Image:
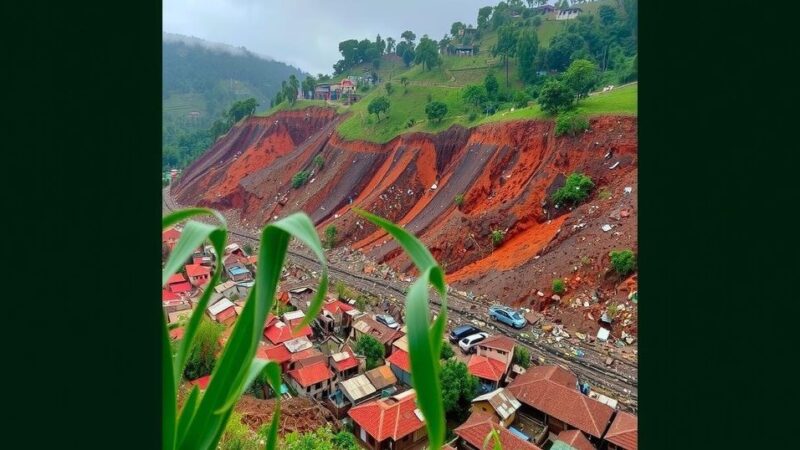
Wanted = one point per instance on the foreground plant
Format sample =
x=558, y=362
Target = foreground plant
x=201, y=422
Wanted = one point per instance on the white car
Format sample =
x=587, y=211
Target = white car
x=468, y=344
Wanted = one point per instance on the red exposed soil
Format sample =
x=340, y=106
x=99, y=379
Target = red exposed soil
x=505, y=172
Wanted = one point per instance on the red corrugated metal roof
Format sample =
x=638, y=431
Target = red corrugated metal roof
x=388, y=418
x=171, y=234
x=176, y=278
x=167, y=295
x=196, y=270
x=552, y=390
x=345, y=364
x=336, y=306
x=227, y=313
x=278, y=353
x=486, y=368
x=181, y=287
x=576, y=439
x=278, y=332
x=201, y=382
x=400, y=359
x=624, y=431
x=479, y=425
x=306, y=376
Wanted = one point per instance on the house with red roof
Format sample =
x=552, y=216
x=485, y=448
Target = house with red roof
x=201, y=382
x=315, y=380
x=223, y=311
x=393, y=422
x=170, y=237
x=472, y=434
x=337, y=316
x=549, y=394
x=492, y=361
x=344, y=364
x=623, y=434
x=177, y=284
x=305, y=358
x=572, y=440
x=198, y=275
x=366, y=325
x=278, y=353
x=279, y=332
x=400, y=364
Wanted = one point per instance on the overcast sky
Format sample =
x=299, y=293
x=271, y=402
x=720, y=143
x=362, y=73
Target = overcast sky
x=306, y=33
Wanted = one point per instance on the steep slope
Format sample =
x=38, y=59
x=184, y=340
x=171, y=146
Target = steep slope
x=505, y=171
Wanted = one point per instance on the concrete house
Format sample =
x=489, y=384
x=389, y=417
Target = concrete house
x=223, y=311
x=499, y=402
x=198, y=274
x=315, y=380
x=492, y=361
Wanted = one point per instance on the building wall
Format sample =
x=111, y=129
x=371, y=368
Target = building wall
x=402, y=376
x=312, y=391
x=486, y=407
x=494, y=353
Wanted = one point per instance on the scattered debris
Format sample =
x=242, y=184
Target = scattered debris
x=606, y=227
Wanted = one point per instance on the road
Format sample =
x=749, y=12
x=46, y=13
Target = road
x=619, y=381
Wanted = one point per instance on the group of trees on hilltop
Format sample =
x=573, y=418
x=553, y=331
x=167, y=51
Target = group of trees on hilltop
x=355, y=52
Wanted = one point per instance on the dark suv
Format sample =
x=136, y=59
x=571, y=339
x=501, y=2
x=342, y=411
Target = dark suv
x=461, y=332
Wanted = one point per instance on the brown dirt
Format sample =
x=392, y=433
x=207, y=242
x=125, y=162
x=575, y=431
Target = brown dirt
x=297, y=414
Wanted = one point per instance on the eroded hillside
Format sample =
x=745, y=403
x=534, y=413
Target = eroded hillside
x=505, y=172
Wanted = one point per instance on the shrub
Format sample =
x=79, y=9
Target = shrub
x=522, y=356
x=389, y=88
x=410, y=122
x=300, y=178
x=472, y=116
x=497, y=236
x=459, y=199
x=447, y=352
x=319, y=161
x=558, y=286
x=623, y=261
x=371, y=348
x=574, y=191
x=555, y=96
x=521, y=99
x=205, y=346
x=330, y=236
x=571, y=123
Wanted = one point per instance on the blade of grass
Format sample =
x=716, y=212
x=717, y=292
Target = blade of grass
x=189, y=408
x=424, y=341
x=230, y=373
x=493, y=435
x=274, y=378
x=168, y=406
x=180, y=216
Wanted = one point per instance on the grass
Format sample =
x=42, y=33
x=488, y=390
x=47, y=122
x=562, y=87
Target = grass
x=300, y=104
x=182, y=104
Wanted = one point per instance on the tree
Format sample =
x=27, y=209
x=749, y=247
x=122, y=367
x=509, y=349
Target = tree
x=521, y=99
x=291, y=88
x=205, y=346
x=483, y=16
x=562, y=48
x=380, y=44
x=527, y=47
x=308, y=86
x=242, y=109
x=436, y=111
x=459, y=387
x=475, y=94
x=427, y=53
x=409, y=36
x=491, y=85
x=581, y=76
x=370, y=348
x=330, y=236
x=506, y=45
x=455, y=28
x=408, y=57
x=608, y=15
x=404, y=82
x=575, y=189
x=344, y=440
x=555, y=96
x=623, y=261
x=389, y=88
x=446, y=352
x=390, y=45
x=319, y=161
x=522, y=357
x=378, y=105
x=558, y=286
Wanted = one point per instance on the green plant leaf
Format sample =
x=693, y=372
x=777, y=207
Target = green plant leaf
x=232, y=370
x=169, y=406
x=494, y=434
x=424, y=341
x=189, y=408
x=180, y=216
x=274, y=378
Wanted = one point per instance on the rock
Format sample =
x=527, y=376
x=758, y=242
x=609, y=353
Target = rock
x=609, y=361
x=628, y=189
x=624, y=213
x=556, y=297
x=585, y=304
x=540, y=293
x=606, y=227
x=580, y=336
x=630, y=340
x=547, y=328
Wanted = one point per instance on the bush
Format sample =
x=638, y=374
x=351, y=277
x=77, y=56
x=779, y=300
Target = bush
x=330, y=236
x=570, y=123
x=205, y=346
x=472, y=116
x=521, y=99
x=497, y=236
x=555, y=96
x=522, y=356
x=410, y=122
x=623, y=261
x=300, y=178
x=459, y=199
x=447, y=352
x=319, y=161
x=558, y=286
x=574, y=191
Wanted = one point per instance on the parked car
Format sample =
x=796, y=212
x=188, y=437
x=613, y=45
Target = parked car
x=387, y=320
x=507, y=315
x=461, y=332
x=468, y=344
